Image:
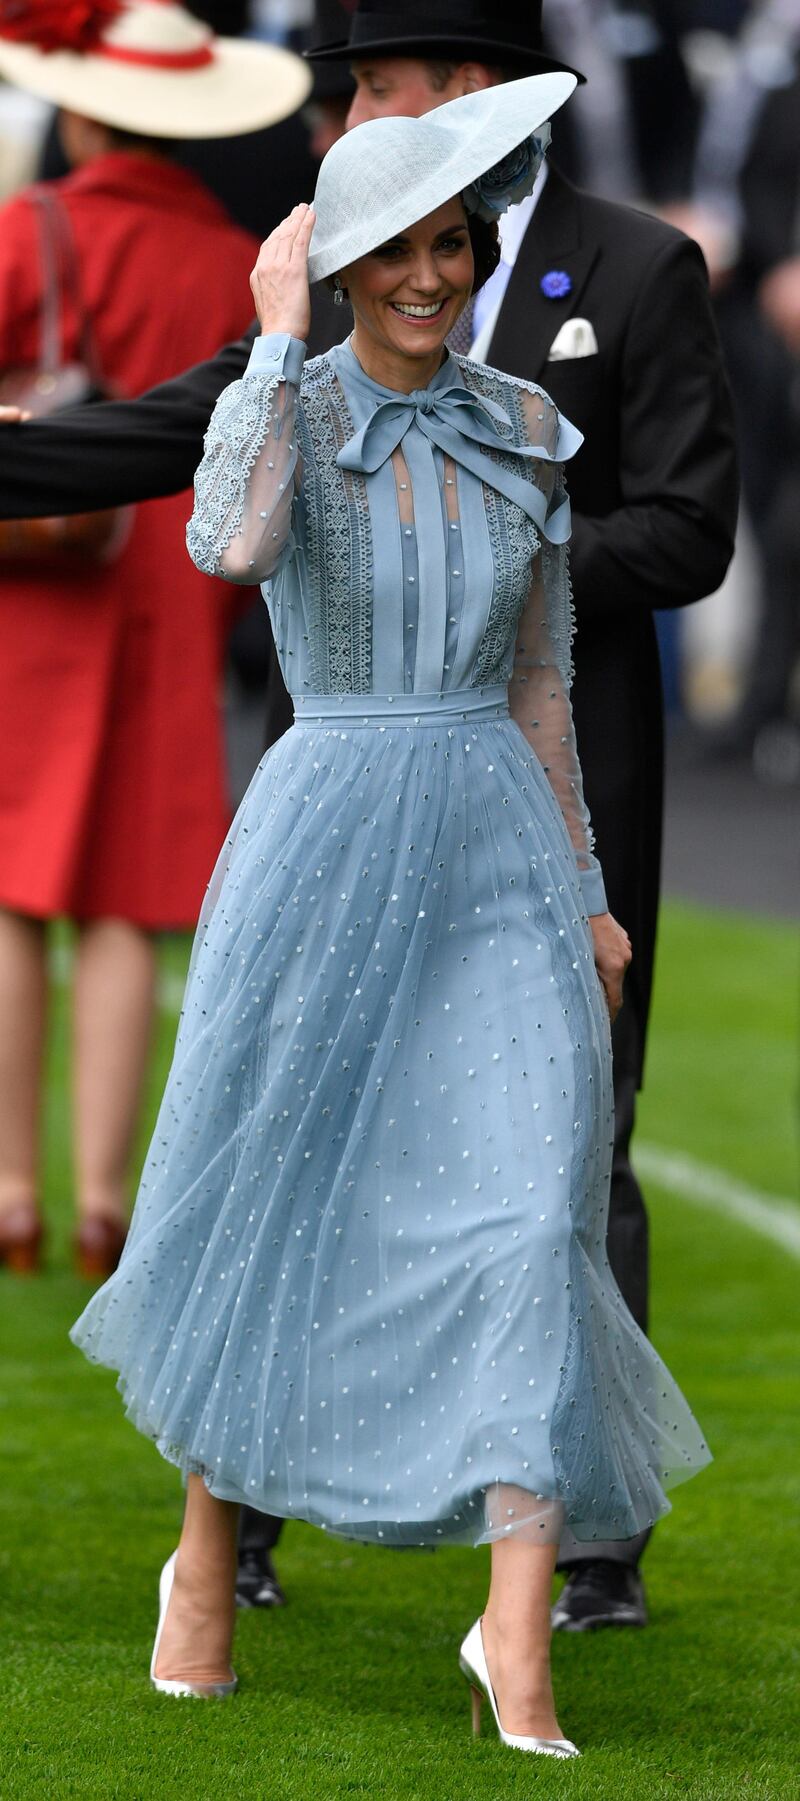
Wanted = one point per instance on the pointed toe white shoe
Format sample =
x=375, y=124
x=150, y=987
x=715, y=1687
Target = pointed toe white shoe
x=472, y=1661
x=198, y=1691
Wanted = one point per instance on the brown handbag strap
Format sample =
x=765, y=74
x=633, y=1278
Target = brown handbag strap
x=61, y=276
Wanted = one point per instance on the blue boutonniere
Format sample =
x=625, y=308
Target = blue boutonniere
x=556, y=284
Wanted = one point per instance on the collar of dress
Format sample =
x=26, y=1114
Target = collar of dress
x=463, y=425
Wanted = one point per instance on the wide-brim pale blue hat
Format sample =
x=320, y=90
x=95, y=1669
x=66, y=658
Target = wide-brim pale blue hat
x=384, y=175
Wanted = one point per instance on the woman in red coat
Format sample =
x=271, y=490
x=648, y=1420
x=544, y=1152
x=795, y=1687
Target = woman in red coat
x=112, y=779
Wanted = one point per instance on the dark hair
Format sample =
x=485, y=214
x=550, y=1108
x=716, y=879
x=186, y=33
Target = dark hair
x=440, y=70
x=439, y=73
x=135, y=140
x=485, y=241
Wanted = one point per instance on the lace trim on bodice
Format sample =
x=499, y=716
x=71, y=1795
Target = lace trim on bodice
x=513, y=538
x=561, y=605
x=515, y=542
x=339, y=541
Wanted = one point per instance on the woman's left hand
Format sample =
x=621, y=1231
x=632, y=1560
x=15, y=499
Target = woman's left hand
x=612, y=954
x=279, y=281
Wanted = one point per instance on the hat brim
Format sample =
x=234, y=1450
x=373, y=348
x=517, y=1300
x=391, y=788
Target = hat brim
x=421, y=44
x=477, y=143
x=332, y=81
x=247, y=87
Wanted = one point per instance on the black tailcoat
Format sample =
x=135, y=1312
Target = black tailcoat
x=654, y=499
x=653, y=492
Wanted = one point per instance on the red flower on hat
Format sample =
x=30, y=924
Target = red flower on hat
x=58, y=24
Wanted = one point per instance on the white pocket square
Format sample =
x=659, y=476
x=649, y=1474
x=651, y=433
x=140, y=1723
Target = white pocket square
x=576, y=338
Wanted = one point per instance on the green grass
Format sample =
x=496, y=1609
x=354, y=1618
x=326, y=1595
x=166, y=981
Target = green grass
x=353, y=1691
x=723, y=1077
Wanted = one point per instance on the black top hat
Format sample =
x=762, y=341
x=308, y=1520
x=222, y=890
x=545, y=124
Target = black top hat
x=332, y=80
x=493, y=31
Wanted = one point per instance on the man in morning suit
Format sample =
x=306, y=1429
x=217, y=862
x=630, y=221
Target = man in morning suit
x=609, y=310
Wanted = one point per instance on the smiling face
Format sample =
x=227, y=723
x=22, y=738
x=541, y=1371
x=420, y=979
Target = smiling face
x=407, y=295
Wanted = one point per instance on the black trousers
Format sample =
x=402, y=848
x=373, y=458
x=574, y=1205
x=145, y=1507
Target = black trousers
x=258, y=1531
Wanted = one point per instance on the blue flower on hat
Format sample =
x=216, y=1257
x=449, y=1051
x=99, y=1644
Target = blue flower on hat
x=556, y=284
x=510, y=180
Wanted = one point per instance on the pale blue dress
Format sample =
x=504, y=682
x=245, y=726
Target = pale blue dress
x=366, y=1282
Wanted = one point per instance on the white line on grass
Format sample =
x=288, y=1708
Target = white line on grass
x=771, y=1216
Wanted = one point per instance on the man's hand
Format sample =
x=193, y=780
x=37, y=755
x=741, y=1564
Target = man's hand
x=779, y=299
x=279, y=281
x=12, y=415
x=717, y=240
x=612, y=954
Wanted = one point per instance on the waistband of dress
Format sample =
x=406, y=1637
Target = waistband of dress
x=466, y=705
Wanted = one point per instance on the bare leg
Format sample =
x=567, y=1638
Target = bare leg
x=23, y=1007
x=198, y=1630
x=516, y=1636
x=113, y=1006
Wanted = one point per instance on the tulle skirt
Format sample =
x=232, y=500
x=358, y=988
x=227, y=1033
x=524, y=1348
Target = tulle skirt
x=366, y=1282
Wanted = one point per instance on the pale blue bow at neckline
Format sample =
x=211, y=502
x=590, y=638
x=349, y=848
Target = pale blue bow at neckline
x=459, y=423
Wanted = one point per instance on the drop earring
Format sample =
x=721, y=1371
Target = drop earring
x=338, y=292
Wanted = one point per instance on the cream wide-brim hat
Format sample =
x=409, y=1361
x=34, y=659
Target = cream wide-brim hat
x=386, y=174
x=161, y=73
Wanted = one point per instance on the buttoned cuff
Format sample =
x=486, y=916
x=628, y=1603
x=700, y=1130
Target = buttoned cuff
x=278, y=354
x=593, y=891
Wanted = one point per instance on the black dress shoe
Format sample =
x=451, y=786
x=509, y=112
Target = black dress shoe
x=256, y=1582
x=600, y=1592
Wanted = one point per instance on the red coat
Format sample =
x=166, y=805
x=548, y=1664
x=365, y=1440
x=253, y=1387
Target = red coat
x=112, y=775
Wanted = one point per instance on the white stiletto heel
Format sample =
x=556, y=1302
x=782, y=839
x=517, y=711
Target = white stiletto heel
x=472, y=1661
x=200, y=1691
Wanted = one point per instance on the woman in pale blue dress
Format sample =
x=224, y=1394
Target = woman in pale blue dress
x=366, y=1283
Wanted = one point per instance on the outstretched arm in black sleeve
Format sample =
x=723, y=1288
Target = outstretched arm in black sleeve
x=116, y=452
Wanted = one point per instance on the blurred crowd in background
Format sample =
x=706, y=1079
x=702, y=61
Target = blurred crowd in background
x=692, y=109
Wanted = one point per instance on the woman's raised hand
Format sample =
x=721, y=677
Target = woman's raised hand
x=280, y=278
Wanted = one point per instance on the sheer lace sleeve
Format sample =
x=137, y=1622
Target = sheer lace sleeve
x=539, y=688
x=244, y=488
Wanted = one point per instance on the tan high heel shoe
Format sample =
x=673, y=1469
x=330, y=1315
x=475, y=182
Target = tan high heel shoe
x=21, y=1233
x=98, y=1244
x=472, y=1662
x=198, y=1691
